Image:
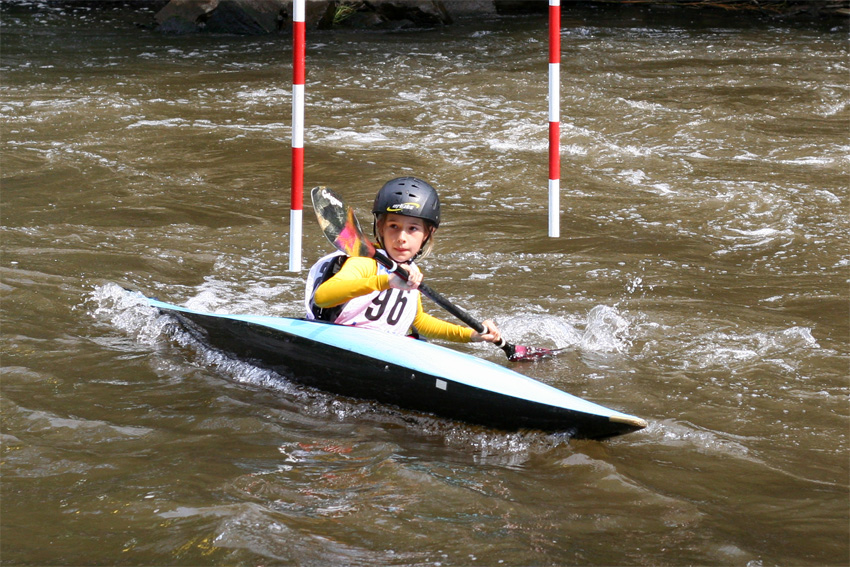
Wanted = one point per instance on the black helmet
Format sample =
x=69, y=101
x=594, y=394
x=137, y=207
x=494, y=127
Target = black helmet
x=410, y=197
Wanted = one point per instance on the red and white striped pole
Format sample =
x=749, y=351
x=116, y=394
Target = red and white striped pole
x=299, y=58
x=554, y=117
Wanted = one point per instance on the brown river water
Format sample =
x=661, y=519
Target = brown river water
x=700, y=282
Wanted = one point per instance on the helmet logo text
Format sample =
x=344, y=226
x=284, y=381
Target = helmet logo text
x=398, y=207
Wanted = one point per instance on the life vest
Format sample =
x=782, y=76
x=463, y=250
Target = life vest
x=323, y=270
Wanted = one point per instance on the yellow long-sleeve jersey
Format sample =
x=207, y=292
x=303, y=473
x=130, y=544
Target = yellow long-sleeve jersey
x=360, y=276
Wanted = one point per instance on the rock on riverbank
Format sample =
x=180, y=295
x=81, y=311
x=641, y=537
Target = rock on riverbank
x=271, y=16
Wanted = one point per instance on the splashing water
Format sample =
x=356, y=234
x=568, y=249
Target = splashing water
x=130, y=312
x=606, y=331
x=603, y=330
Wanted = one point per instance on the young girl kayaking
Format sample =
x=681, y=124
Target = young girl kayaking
x=359, y=291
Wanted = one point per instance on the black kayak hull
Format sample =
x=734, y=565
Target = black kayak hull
x=327, y=357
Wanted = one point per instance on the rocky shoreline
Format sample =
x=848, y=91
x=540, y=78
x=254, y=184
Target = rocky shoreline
x=262, y=17
x=252, y=17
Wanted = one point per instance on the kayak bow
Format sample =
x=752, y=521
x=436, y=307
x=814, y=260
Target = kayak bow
x=397, y=370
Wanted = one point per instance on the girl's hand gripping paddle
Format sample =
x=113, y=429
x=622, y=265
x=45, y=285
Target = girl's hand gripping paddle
x=340, y=226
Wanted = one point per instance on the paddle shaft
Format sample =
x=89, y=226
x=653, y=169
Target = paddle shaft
x=443, y=302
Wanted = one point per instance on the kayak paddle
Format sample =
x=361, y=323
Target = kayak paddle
x=341, y=227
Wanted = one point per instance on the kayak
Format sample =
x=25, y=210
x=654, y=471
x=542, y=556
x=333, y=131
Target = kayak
x=401, y=371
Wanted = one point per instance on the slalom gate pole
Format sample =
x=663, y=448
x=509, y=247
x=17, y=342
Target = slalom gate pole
x=299, y=48
x=554, y=117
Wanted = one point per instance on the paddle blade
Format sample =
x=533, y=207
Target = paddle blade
x=521, y=353
x=339, y=224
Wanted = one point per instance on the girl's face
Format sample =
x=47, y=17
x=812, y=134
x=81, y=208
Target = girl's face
x=403, y=236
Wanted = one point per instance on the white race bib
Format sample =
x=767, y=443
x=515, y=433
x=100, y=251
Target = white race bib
x=391, y=310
